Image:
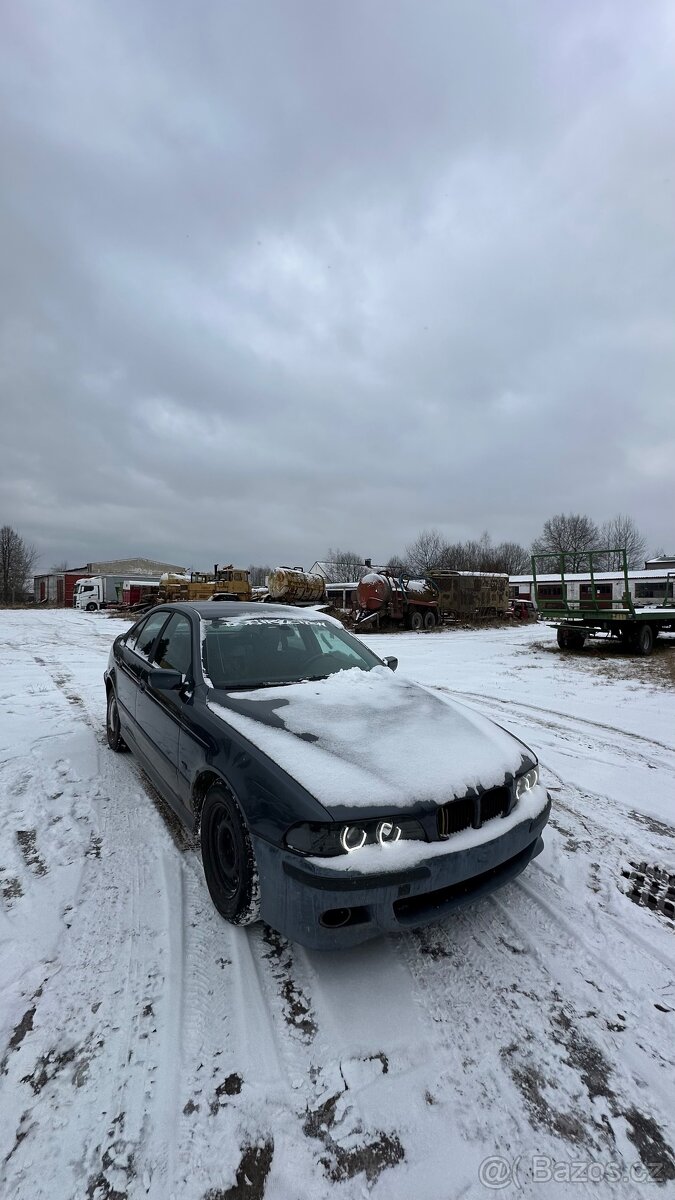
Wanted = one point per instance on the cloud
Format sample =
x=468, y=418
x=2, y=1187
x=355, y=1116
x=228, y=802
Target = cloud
x=285, y=276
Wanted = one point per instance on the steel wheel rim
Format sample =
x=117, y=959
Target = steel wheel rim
x=223, y=853
x=113, y=717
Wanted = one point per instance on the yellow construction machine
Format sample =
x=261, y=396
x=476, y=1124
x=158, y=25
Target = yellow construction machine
x=223, y=583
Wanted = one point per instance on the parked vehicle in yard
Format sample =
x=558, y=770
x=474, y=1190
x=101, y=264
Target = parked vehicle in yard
x=93, y=592
x=384, y=599
x=292, y=585
x=522, y=610
x=223, y=583
x=594, y=610
x=332, y=799
x=138, y=591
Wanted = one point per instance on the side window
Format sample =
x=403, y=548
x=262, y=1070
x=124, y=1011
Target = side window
x=174, y=648
x=148, y=633
x=134, y=634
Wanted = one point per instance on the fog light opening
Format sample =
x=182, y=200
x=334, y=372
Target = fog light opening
x=335, y=918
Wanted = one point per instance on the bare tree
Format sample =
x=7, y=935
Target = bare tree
x=17, y=559
x=427, y=553
x=258, y=575
x=59, y=567
x=569, y=533
x=482, y=555
x=458, y=556
x=512, y=558
x=343, y=566
x=620, y=533
x=397, y=566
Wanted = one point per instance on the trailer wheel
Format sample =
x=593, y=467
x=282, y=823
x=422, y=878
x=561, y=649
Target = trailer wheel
x=644, y=642
x=569, y=639
x=430, y=620
x=416, y=620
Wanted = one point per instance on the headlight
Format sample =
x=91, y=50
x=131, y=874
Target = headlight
x=525, y=783
x=329, y=840
x=352, y=838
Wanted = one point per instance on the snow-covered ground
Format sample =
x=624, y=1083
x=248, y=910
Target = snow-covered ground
x=148, y=1049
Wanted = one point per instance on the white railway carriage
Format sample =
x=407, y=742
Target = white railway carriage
x=646, y=588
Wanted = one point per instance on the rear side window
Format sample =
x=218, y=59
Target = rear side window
x=142, y=643
x=174, y=648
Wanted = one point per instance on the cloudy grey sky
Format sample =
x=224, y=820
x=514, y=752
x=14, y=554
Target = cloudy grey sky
x=289, y=274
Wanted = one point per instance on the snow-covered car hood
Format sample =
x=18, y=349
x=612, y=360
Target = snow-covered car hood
x=369, y=738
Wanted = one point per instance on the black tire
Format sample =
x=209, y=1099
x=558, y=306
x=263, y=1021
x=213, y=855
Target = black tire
x=416, y=620
x=91, y=608
x=644, y=641
x=112, y=724
x=228, y=858
x=570, y=639
x=430, y=619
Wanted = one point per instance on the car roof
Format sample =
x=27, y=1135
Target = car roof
x=237, y=608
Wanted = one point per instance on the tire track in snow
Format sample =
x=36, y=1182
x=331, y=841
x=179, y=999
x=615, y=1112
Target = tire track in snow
x=98, y=997
x=488, y=974
x=565, y=723
x=602, y=840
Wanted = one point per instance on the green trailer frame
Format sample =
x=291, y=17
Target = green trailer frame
x=577, y=619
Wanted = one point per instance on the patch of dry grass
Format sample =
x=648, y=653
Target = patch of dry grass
x=609, y=658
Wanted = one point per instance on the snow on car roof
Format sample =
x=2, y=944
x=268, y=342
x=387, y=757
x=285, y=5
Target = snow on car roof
x=233, y=610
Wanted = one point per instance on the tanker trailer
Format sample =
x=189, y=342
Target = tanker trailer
x=385, y=599
x=289, y=585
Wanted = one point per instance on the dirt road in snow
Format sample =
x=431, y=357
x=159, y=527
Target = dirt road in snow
x=148, y=1049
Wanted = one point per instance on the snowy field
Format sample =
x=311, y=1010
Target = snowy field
x=148, y=1049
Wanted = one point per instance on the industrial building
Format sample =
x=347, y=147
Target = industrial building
x=56, y=587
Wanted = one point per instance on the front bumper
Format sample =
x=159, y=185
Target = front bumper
x=306, y=902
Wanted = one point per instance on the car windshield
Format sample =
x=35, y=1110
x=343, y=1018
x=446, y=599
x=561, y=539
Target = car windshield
x=264, y=652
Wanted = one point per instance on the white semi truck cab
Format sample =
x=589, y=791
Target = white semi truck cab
x=96, y=591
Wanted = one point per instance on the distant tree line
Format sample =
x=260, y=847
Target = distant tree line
x=431, y=552
x=573, y=533
x=17, y=559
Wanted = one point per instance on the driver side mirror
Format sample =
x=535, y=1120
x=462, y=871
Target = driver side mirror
x=390, y=662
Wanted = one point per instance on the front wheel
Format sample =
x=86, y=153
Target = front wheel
x=112, y=724
x=228, y=858
x=91, y=608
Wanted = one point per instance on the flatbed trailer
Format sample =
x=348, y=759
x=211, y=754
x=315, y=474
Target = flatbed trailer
x=594, y=616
